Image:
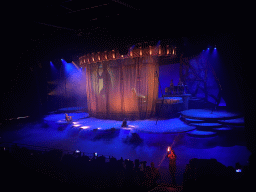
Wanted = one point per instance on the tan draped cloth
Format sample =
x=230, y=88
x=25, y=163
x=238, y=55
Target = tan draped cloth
x=123, y=88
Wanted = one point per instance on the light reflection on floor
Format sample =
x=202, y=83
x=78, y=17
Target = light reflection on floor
x=94, y=135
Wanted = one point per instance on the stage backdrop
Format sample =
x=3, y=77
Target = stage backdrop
x=122, y=88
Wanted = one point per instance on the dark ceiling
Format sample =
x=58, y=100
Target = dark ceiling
x=48, y=27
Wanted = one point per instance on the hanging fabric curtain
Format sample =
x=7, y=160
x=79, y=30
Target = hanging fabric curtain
x=122, y=88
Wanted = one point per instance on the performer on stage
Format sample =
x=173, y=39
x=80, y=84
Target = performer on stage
x=180, y=83
x=68, y=118
x=172, y=164
x=171, y=86
x=180, y=87
x=124, y=124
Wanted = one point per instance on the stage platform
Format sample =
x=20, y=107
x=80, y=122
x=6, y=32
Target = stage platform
x=83, y=121
x=210, y=123
x=195, y=122
x=209, y=115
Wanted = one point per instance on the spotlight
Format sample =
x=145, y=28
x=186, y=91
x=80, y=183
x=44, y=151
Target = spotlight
x=208, y=48
x=77, y=151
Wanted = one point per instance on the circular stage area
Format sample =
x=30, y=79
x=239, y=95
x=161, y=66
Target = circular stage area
x=82, y=121
x=207, y=115
x=198, y=133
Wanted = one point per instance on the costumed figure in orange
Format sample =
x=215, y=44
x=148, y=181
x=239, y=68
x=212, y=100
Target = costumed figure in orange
x=172, y=164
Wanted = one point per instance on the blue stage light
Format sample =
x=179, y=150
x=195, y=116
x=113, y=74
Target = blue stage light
x=215, y=48
x=208, y=48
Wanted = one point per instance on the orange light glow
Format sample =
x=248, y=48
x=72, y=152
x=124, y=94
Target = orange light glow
x=106, y=57
x=99, y=56
x=113, y=54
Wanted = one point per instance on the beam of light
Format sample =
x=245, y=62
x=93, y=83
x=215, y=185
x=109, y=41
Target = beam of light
x=53, y=70
x=158, y=43
x=52, y=66
x=67, y=66
x=162, y=159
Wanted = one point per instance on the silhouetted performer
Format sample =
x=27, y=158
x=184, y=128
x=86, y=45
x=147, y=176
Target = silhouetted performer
x=172, y=164
x=171, y=86
x=180, y=86
x=124, y=124
x=68, y=118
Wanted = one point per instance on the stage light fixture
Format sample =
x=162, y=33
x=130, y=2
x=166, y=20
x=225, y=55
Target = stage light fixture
x=85, y=127
x=77, y=151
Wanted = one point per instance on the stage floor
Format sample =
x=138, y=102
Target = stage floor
x=143, y=140
x=83, y=121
